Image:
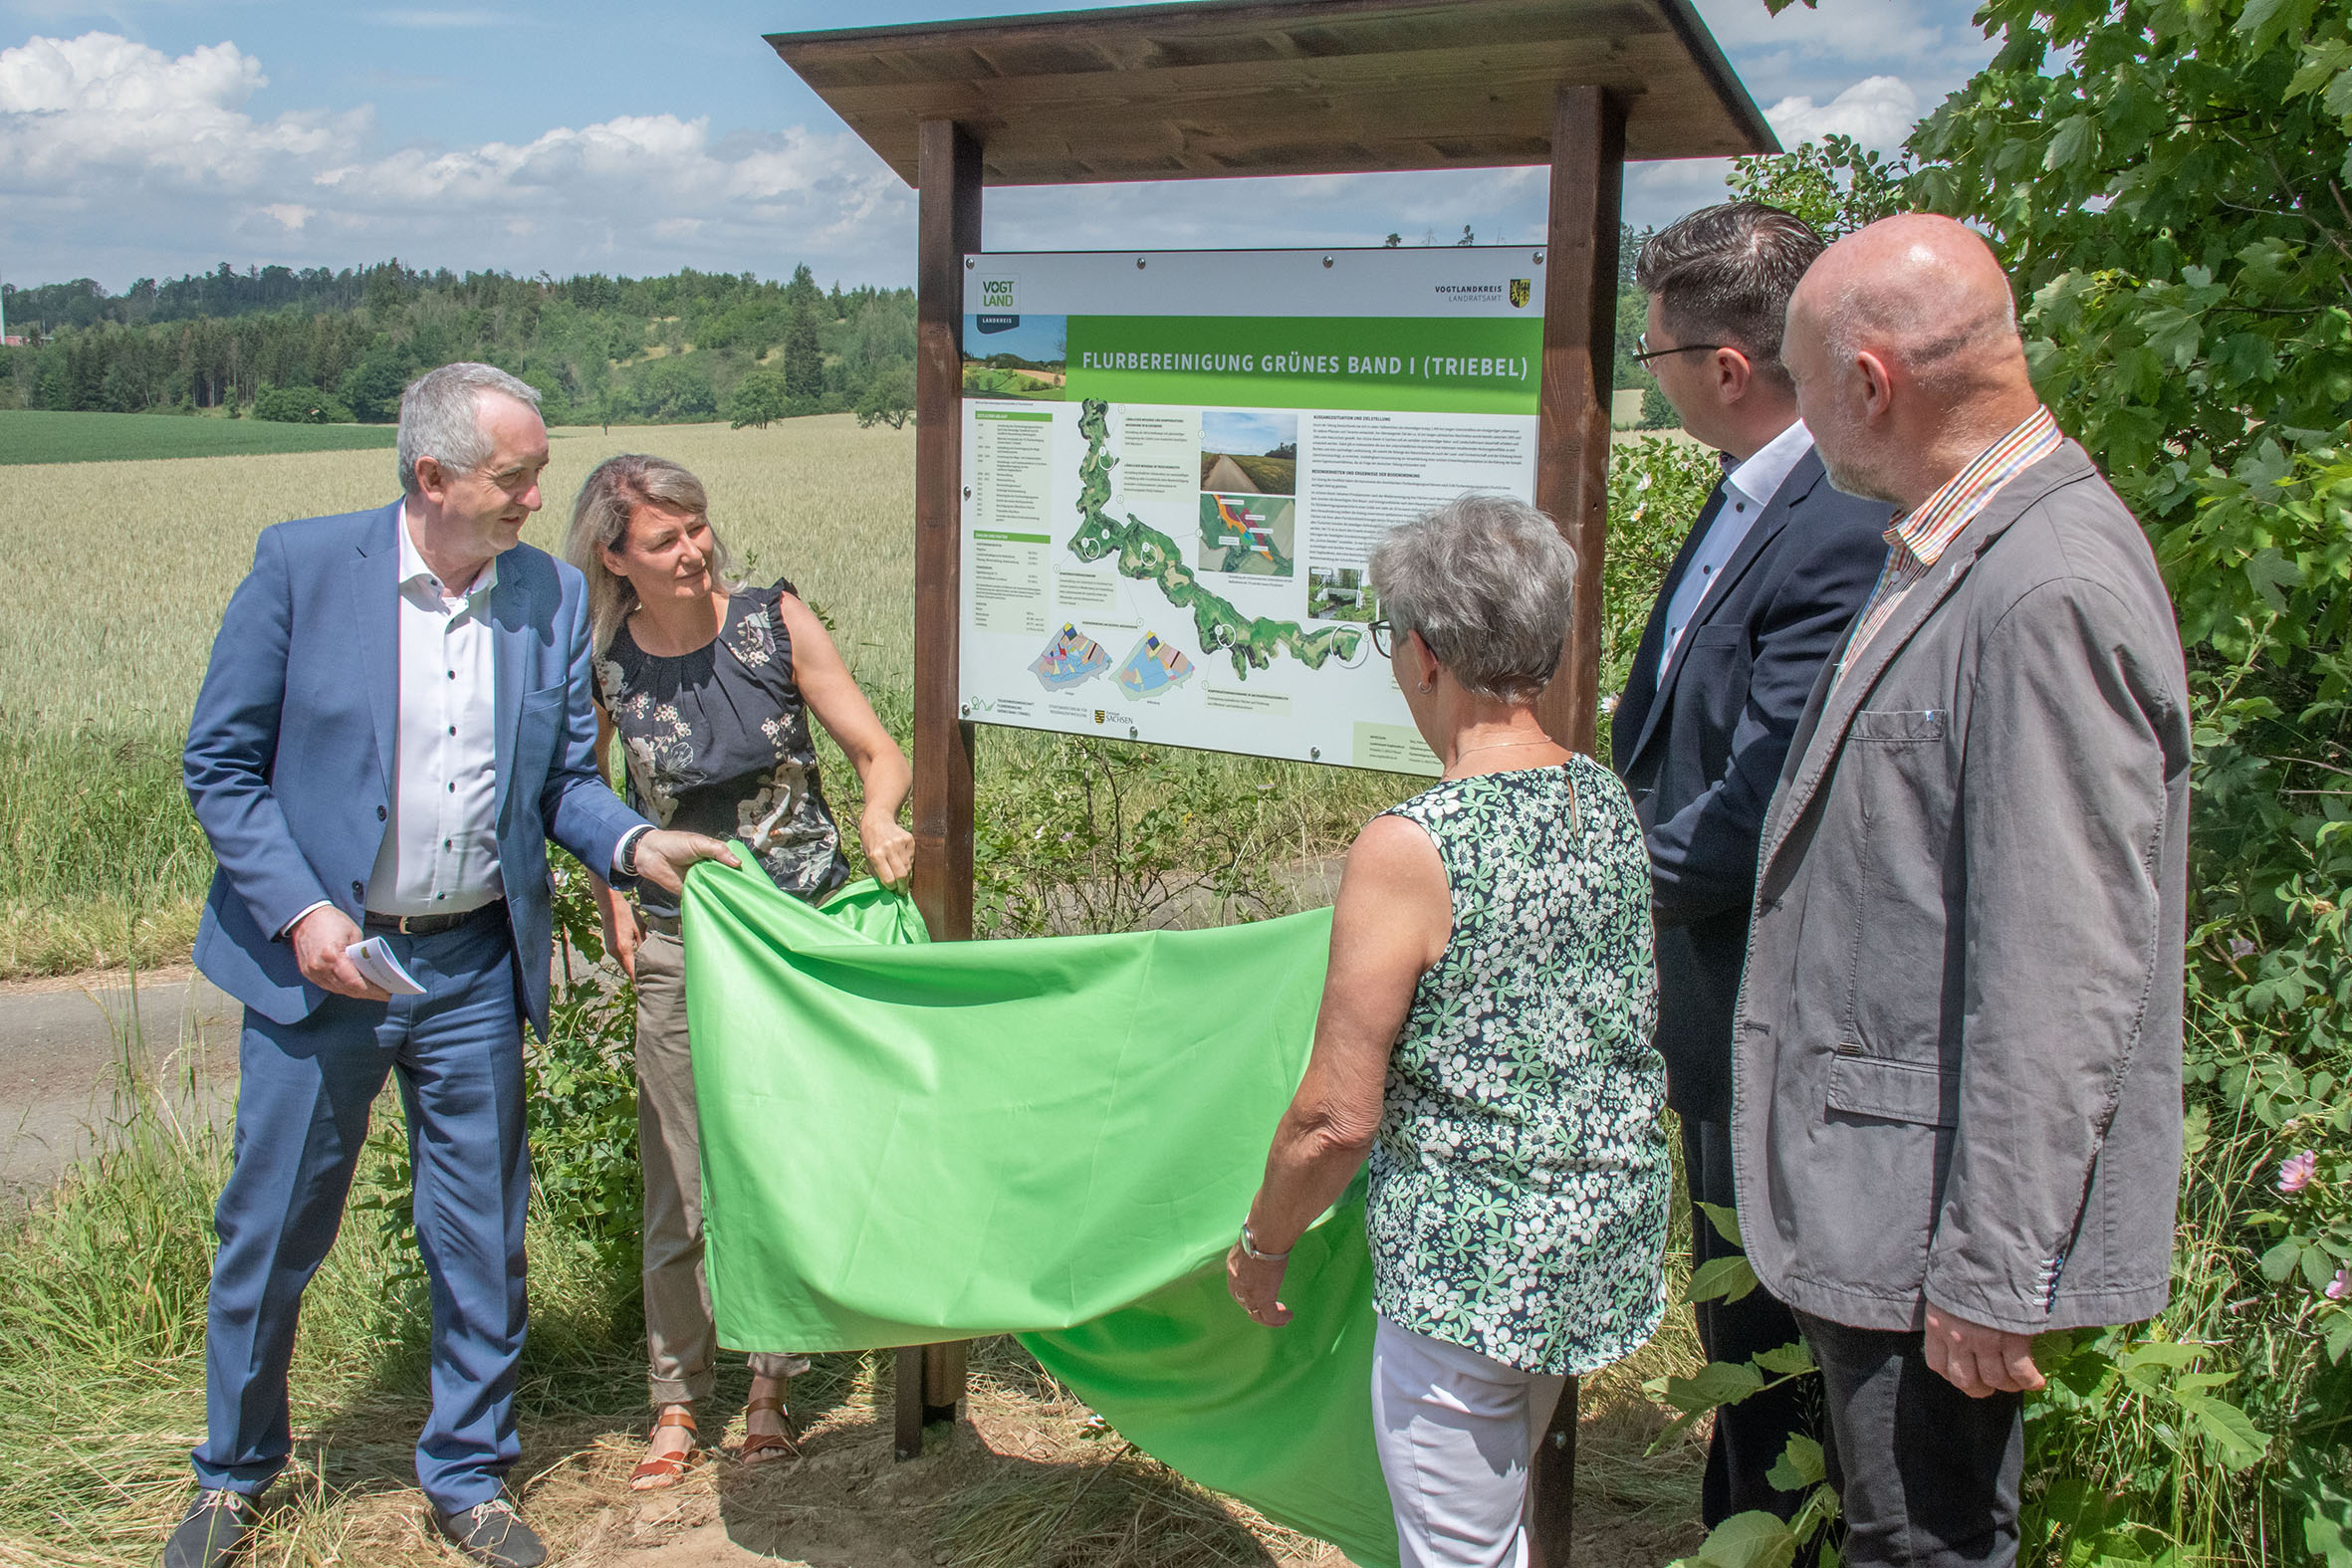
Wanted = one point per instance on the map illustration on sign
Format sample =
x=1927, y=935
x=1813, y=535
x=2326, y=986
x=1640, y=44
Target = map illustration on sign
x=1153, y=668
x=1254, y=535
x=1150, y=555
x=1176, y=467
x=1070, y=659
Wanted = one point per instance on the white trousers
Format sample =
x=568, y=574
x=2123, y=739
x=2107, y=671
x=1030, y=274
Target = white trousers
x=1457, y=1434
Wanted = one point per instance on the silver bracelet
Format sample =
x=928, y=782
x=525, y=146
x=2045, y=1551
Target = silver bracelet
x=1250, y=1248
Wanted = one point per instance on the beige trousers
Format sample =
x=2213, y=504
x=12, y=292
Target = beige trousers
x=680, y=1342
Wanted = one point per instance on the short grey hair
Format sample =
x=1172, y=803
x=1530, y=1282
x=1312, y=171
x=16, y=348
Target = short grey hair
x=1486, y=580
x=441, y=418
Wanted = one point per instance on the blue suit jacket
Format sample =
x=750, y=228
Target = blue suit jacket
x=290, y=755
x=1702, y=754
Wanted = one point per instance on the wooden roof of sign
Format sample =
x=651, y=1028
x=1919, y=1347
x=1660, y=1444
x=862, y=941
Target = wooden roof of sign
x=1280, y=86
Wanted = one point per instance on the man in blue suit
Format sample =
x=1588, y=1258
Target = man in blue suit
x=395, y=720
x=1772, y=575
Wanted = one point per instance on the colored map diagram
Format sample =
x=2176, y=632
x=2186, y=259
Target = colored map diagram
x=1148, y=556
x=1070, y=659
x=1250, y=535
x=1153, y=667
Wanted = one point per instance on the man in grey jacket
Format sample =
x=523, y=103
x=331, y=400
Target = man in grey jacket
x=1957, y=1098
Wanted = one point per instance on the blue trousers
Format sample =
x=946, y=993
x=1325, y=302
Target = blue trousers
x=303, y=1098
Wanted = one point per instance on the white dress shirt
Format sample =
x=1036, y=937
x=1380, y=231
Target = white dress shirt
x=440, y=851
x=1748, y=490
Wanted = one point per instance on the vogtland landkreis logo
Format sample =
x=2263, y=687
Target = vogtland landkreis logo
x=996, y=294
x=1522, y=291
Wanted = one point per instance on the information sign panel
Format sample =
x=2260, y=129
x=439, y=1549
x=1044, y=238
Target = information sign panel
x=1176, y=464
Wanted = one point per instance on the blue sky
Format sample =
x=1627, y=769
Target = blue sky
x=161, y=136
x=1247, y=434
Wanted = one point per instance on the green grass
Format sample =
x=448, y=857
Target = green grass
x=37, y=436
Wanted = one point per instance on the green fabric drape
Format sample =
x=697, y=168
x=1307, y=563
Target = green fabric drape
x=904, y=1143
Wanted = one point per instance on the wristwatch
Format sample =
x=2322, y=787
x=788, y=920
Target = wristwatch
x=1250, y=1248
x=625, y=861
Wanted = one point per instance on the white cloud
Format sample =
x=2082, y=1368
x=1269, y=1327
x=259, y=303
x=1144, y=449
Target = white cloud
x=101, y=135
x=1877, y=112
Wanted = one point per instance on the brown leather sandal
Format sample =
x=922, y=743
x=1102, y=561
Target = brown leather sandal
x=651, y=1474
x=761, y=1446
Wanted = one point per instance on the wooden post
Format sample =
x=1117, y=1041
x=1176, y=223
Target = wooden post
x=1579, y=362
x=930, y=1379
x=1573, y=485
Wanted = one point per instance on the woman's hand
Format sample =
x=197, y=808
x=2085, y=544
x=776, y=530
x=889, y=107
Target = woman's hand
x=1255, y=1284
x=889, y=848
x=622, y=933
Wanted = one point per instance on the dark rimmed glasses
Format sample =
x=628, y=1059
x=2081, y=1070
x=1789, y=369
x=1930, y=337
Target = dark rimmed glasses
x=1384, y=637
x=1642, y=343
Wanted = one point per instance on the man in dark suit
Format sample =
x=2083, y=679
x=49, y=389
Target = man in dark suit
x=1763, y=590
x=394, y=724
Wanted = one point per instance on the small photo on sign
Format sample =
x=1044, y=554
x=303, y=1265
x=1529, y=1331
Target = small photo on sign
x=1341, y=593
x=1025, y=357
x=1250, y=453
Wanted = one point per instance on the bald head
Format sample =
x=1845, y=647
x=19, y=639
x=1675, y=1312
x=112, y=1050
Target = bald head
x=1907, y=333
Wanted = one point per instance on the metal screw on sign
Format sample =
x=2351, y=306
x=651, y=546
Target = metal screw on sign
x=1327, y=261
x=1138, y=264
x=1538, y=257
x=967, y=710
x=967, y=492
x=970, y=263
x=1133, y=733
x=1314, y=754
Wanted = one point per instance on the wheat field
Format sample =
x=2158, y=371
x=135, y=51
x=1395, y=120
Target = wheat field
x=117, y=572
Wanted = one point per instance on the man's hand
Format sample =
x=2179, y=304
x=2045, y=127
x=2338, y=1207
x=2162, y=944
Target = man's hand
x=318, y=938
x=664, y=856
x=889, y=849
x=622, y=934
x=1979, y=1361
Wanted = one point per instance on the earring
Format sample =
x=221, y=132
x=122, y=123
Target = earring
x=1424, y=688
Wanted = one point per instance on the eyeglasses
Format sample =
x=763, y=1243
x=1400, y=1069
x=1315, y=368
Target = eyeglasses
x=1642, y=343
x=1384, y=637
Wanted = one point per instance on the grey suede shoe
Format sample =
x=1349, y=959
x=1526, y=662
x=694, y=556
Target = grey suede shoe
x=492, y=1532
x=213, y=1530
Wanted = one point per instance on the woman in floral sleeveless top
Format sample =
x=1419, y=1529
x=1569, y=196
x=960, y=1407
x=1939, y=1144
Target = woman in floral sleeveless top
x=1484, y=1043
x=709, y=687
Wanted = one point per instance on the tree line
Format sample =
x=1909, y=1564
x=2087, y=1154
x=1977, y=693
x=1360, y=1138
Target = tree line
x=317, y=345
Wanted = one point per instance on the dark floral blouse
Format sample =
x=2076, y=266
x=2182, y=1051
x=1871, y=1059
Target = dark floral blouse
x=1518, y=1184
x=718, y=743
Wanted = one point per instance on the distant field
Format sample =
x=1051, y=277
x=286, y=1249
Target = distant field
x=28, y=436
x=119, y=572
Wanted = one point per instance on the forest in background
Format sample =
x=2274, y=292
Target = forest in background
x=319, y=346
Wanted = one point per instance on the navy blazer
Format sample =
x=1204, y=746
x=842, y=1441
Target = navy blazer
x=1701, y=754
x=290, y=755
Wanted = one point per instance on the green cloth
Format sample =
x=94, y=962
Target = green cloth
x=906, y=1143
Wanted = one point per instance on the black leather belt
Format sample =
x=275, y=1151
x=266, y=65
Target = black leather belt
x=433, y=925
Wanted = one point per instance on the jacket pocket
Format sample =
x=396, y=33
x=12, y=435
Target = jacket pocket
x=1895, y=1091
x=1902, y=928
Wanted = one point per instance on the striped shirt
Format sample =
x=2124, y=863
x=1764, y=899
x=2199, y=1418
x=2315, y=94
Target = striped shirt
x=1916, y=541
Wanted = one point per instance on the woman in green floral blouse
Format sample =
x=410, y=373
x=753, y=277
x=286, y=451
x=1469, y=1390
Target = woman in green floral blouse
x=1485, y=1042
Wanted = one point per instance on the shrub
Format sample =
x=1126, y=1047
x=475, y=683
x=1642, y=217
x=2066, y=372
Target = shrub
x=300, y=405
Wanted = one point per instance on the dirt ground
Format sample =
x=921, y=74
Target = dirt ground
x=1029, y=1481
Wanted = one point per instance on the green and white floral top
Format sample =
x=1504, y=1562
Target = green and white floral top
x=1519, y=1185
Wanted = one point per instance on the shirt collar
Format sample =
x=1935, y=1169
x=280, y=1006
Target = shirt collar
x=1928, y=531
x=415, y=571
x=1762, y=475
